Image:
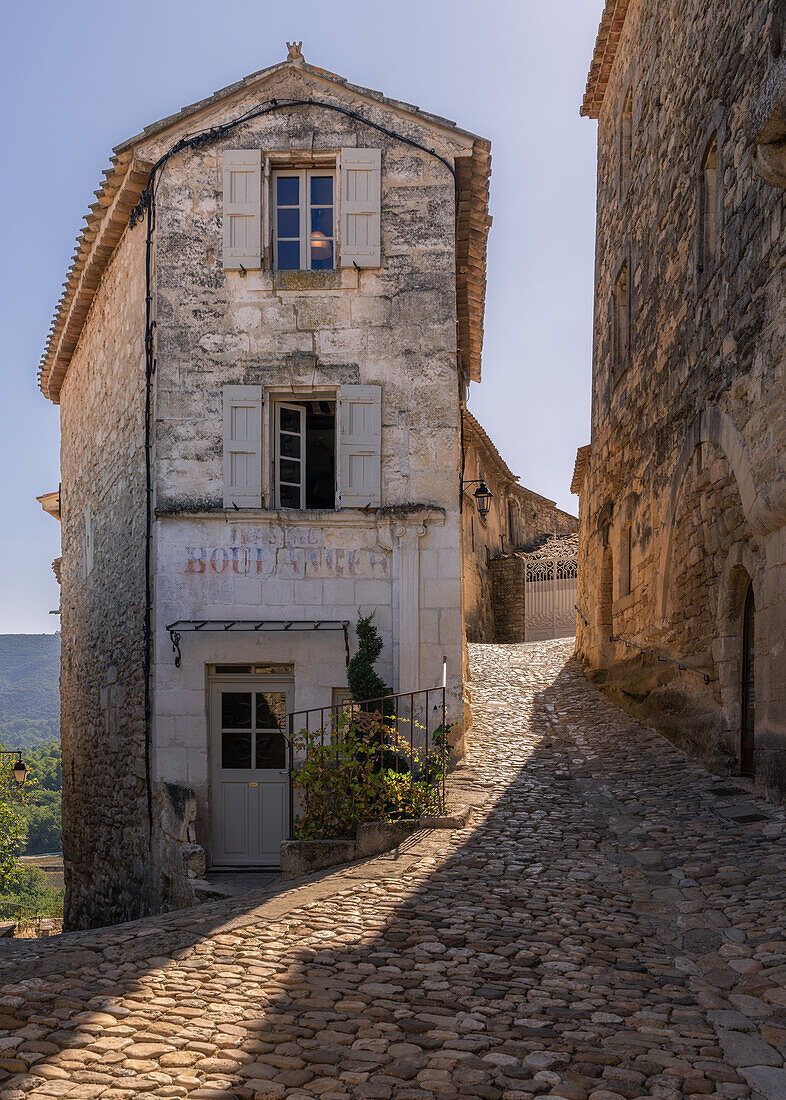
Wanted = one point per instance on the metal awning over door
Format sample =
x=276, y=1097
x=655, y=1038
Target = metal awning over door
x=253, y=626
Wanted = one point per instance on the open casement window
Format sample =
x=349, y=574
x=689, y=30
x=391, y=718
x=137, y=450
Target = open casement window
x=361, y=171
x=242, y=209
x=242, y=446
x=303, y=451
x=360, y=446
x=325, y=450
x=304, y=208
x=290, y=455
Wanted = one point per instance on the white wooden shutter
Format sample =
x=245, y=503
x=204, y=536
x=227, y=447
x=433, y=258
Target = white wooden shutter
x=360, y=207
x=242, y=208
x=243, y=446
x=359, y=446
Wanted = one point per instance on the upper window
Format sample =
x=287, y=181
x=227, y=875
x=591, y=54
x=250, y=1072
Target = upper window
x=304, y=220
x=626, y=140
x=621, y=320
x=708, y=206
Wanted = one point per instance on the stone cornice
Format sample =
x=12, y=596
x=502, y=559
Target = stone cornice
x=611, y=24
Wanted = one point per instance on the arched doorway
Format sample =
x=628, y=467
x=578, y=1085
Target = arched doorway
x=748, y=684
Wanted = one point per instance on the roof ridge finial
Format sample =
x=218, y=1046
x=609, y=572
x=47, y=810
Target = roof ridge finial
x=295, y=51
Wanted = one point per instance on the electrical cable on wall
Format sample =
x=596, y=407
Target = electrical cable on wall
x=147, y=206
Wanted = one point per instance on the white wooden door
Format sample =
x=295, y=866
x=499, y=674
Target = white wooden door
x=250, y=787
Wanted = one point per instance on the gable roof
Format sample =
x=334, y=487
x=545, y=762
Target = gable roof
x=126, y=178
x=611, y=24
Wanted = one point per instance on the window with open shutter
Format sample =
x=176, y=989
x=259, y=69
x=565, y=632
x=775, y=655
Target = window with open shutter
x=360, y=446
x=360, y=207
x=242, y=208
x=243, y=446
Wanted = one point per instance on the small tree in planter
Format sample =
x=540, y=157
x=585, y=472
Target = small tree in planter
x=362, y=679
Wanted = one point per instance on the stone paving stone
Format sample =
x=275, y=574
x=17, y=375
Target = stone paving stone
x=603, y=929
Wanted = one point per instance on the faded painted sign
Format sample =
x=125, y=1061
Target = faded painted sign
x=287, y=562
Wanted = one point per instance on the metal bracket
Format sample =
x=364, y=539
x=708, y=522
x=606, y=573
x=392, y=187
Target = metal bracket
x=175, y=636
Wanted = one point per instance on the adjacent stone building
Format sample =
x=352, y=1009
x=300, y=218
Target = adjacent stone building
x=683, y=487
x=517, y=517
x=261, y=356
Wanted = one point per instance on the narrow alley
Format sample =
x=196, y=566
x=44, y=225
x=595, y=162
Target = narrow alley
x=610, y=925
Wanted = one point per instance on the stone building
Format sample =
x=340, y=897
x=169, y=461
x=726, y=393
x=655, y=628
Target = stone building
x=517, y=517
x=683, y=486
x=261, y=354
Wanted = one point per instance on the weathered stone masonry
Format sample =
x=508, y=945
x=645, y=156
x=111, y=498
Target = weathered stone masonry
x=298, y=333
x=683, y=497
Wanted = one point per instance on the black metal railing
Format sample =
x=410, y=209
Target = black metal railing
x=664, y=660
x=681, y=665
x=408, y=725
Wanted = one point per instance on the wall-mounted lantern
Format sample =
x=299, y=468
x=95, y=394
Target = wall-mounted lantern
x=19, y=770
x=483, y=496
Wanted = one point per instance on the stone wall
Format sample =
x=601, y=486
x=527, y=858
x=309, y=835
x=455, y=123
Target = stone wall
x=507, y=598
x=485, y=538
x=394, y=326
x=688, y=431
x=102, y=692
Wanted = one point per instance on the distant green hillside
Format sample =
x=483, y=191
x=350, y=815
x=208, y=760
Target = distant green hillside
x=29, y=691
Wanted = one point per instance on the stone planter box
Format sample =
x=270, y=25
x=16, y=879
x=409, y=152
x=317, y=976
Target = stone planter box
x=304, y=857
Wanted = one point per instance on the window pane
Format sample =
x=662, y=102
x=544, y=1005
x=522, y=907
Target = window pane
x=236, y=710
x=290, y=446
x=321, y=190
x=236, y=750
x=287, y=191
x=289, y=420
x=290, y=471
x=271, y=708
x=288, y=222
x=271, y=750
x=288, y=256
x=322, y=255
x=322, y=221
x=289, y=496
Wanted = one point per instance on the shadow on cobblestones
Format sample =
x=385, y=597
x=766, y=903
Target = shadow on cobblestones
x=606, y=928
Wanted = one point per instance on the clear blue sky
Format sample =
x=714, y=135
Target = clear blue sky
x=81, y=76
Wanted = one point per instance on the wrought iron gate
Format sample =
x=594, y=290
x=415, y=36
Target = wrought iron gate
x=550, y=591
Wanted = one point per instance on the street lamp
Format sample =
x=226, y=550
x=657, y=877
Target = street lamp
x=483, y=496
x=19, y=769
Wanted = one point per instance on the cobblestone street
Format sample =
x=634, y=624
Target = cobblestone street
x=611, y=925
